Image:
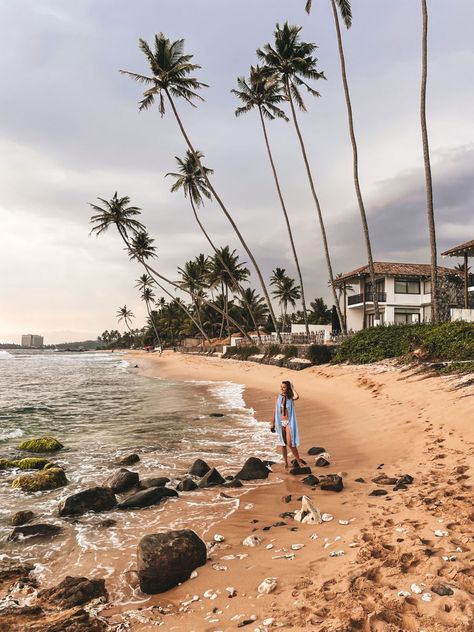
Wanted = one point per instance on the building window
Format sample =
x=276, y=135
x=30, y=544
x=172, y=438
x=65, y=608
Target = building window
x=407, y=286
x=427, y=287
x=406, y=316
x=370, y=320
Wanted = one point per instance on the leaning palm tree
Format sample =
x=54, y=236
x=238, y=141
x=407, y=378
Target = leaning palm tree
x=426, y=158
x=343, y=7
x=145, y=285
x=194, y=277
x=190, y=180
x=287, y=293
x=170, y=69
x=126, y=316
x=257, y=92
x=291, y=62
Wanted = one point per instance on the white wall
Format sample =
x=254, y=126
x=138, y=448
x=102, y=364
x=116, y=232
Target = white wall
x=458, y=313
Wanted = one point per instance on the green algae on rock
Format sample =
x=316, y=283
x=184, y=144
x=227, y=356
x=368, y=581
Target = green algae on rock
x=41, y=481
x=30, y=463
x=43, y=444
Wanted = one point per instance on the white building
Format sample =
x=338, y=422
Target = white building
x=32, y=341
x=403, y=294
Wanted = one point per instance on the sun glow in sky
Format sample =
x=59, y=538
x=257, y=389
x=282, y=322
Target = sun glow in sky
x=70, y=131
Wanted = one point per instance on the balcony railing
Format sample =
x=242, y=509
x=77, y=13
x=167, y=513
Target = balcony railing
x=358, y=299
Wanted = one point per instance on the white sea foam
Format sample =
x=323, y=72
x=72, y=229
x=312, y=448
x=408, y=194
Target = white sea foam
x=11, y=434
x=4, y=355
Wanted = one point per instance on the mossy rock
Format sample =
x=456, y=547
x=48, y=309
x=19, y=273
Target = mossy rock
x=41, y=481
x=43, y=444
x=31, y=463
x=5, y=464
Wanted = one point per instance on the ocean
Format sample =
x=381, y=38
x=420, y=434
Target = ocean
x=100, y=408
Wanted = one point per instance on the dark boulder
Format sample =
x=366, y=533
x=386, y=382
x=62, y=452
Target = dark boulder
x=74, y=591
x=159, y=481
x=332, y=483
x=300, y=470
x=147, y=497
x=122, y=481
x=322, y=462
x=383, y=479
x=34, y=531
x=211, y=479
x=235, y=482
x=199, y=468
x=130, y=459
x=378, y=492
x=93, y=499
x=360, y=480
x=166, y=559
x=443, y=590
x=311, y=480
x=21, y=517
x=187, y=485
x=253, y=469
x=316, y=451
x=406, y=479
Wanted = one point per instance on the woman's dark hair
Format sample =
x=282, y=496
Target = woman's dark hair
x=289, y=390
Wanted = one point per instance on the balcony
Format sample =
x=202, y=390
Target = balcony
x=358, y=299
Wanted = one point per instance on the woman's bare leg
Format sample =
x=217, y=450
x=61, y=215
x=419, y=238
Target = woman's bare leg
x=284, y=452
x=293, y=450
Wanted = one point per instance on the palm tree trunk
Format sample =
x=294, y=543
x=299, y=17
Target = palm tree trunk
x=218, y=255
x=288, y=226
x=152, y=322
x=318, y=207
x=355, y=156
x=426, y=157
x=228, y=215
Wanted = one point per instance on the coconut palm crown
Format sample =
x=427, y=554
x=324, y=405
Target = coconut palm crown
x=291, y=61
x=190, y=177
x=170, y=69
x=262, y=92
x=344, y=7
x=140, y=247
x=116, y=211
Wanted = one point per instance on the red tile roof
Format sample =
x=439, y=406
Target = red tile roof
x=458, y=251
x=384, y=268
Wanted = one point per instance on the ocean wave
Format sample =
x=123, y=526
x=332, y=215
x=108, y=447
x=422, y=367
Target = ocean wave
x=11, y=434
x=4, y=355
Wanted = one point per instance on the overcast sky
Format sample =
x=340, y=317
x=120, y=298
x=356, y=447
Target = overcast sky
x=70, y=131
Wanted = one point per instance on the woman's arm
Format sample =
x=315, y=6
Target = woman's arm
x=274, y=412
x=295, y=394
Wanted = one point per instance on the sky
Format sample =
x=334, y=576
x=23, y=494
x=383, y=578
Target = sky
x=70, y=132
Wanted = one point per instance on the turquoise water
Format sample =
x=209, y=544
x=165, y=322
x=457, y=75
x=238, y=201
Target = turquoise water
x=100, y=408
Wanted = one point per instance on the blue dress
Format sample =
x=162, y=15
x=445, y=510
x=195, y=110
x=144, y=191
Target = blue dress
x=290, y=407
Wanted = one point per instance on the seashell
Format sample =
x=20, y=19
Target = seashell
x=297, y=547
x=252, y=540
x=193, y=598
x=440, y=533
x=416, y=589
x=269, y=546
x=403, y=593
x=219, y=538
x=268, y=621
x=210, y=594
x=228, y=557
x=426, y=597
x=231, y=590
x=337, y=538
x=193, y=575
x=219, y=567
x=336, y=553
x=343, y=521
x=314, y=536
x=326, y=517
x=267, y=586
x=353, y=545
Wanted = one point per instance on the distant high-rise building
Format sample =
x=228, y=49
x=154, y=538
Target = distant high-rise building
x=29, y=340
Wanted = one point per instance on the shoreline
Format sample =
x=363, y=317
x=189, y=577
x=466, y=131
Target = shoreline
x=365, y=417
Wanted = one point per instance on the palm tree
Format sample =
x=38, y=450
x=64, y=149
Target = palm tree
x=258, y=92
x=145, y=285
x=291, y=62
x=286, y=291
x=170, y=69
x=126, y=316
x=190, y=179
x=344, y=8
x=194, y=277
x=320, y=314
x=140, y=245
x=252, y=300
x=426, y=158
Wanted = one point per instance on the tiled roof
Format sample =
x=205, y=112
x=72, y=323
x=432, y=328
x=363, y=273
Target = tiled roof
x=384, y=268
x=458, y=251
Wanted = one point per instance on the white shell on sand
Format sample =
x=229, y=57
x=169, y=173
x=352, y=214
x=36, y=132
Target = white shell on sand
x=219, y=538
x=269, y=546
x=193, y=598
x=337, y=538
x=297, y=547
x=440, y=533
x=416, y=589
x=343, y=521
x=404, y=593
x=426, y=597
x=353, y=545
x=336, y=553
x=210, y=594
x=268, y=585
x=268, y=621
x=449, y=558
x=326, y=517
x=231, y=590
x=193, y=575
x=309, y=513
x=252, y=540
x=219, y=567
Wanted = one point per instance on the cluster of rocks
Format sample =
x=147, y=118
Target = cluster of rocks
x=328, y=482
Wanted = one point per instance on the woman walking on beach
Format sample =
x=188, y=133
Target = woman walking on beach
x=285, y=424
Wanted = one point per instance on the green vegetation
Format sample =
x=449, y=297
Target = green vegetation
x=51, y=478
x=320, y=354
x=240, y=353
x=458, y=367
x=448, y=341
x=31, y=463
x=43, y=444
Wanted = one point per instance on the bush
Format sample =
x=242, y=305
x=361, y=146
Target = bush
x=273, y=350
x=320, y=354
x=448, y=341
x=240, y=353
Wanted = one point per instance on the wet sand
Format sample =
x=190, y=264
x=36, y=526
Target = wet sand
x=372, y=420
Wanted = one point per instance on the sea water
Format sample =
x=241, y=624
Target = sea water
x=101, y=409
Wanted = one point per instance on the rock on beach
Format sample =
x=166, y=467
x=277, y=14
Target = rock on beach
x=199, y=468
x=93, y=499
x=43, y=480
x=253, y=469
x=34, y=531
x=166, y=559
x=123, y=480
x=211, y=479
x=147, y=497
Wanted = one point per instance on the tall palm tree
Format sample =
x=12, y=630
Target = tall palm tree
x=285, y=291
x=343, y=7
x=194, y=277
x=189, y=178
x=145, y=284
x=258, y=92
x=291, y=61
x=170, y=69
x=426, y=158
x=257, y=304
x=126, y=316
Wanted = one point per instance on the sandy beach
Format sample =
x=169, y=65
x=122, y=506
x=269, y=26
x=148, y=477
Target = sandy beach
x=373, y=420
